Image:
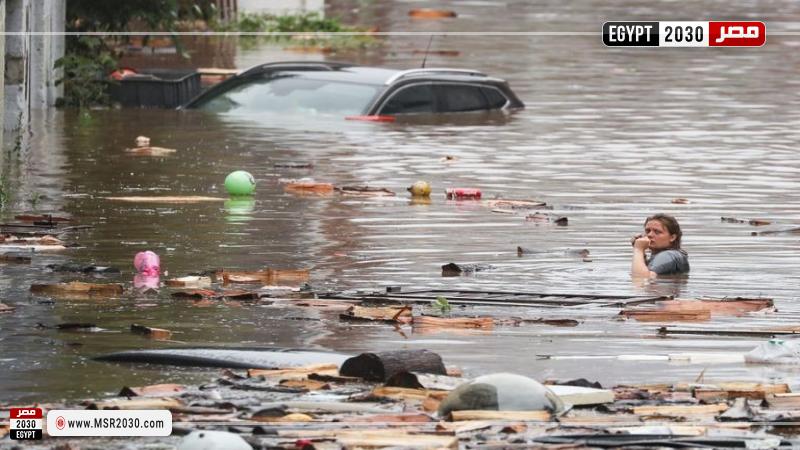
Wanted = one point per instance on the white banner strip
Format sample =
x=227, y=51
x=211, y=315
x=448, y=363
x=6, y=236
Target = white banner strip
x=65, y=422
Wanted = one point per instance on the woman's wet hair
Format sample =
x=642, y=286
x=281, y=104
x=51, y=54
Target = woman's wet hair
x=672, y=226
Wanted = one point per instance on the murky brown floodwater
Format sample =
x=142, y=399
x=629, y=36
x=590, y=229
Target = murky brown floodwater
x=608, y=137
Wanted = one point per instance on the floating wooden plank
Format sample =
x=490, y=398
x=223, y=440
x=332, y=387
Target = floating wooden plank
x=393, y=438
x=390, y=314
x=731, y=390
x=195, y=294
x=675, y=308
x=424, y=381
x=663, y=331
x=152, y=333
x=484, y=323
x=680, y=410
x=78, y=288
x=172, y=404
x=150, y=151
x=167, y=199
x=365, y=191
x=12, y=258
x=5, y=308
x=267, y=276
x=309, y=385
x=189, y=282
x=789, y=401
x=154, y=390
x=294, y=373
x=429, y=13
x=577, y=395
x=533, y=416
x=308, y=188
x=399, y=393
x=666, y=316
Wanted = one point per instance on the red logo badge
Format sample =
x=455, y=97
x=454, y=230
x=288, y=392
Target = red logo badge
x=736, y=34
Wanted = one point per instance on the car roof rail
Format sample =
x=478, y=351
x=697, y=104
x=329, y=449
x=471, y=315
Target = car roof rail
x=433, y=71
x=289, y=65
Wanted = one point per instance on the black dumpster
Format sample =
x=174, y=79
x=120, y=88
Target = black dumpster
x=156, y=88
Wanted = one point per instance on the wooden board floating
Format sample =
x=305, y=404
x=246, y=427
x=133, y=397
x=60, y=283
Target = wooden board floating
x=168, y=199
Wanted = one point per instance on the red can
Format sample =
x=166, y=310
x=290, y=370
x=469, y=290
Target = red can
x=463, y=193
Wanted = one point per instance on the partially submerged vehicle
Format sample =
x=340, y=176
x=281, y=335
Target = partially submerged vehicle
x=351, y=90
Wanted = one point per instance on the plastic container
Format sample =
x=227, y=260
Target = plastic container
x=156, y=88
x=463, y=193
x=774, y=351
x=147, y=263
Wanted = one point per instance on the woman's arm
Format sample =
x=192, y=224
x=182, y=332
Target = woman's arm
x=638, y=265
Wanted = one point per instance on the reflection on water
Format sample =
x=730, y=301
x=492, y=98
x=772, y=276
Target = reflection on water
x=608, y=137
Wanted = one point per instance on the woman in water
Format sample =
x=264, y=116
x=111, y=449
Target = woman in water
x=662, y=236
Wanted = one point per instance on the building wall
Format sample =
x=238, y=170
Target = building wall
x=29, y=75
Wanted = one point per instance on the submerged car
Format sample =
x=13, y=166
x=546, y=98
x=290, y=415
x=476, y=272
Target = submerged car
x=351, y=90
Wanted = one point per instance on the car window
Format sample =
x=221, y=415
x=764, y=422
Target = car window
x=294, y=94
x=461, y=98
x=494, y=97
x=413, y=99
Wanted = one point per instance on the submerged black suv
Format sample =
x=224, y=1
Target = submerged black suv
x=346, y=89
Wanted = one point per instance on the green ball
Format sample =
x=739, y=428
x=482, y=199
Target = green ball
x=240, y=183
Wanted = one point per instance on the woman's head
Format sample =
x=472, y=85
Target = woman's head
x=663, y=231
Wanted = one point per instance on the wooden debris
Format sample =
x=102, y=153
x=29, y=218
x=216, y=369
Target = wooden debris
x=240, y=294
x=365, y=191
x=577, y=395
x=154, y=390
x=381, y=366
x=392, y=418
x=195, y=294
x=390, y=314
x=437, y=53
x=295, y=373
x=754, y=222
x=150, y=151
x=308, y=188
x=294, y=417
x=484, y=323
x=680, y=410
x=168, y=199
x=532, y=416
x=501, y=205
x=268, y=276
x=309, y=385
x=547, y=218
x=5, y=308
x=680, y=201
x=731, y=390
x=788, y=401
x=428, y=13
x=399, y=393
x=424, y=381
x=12, y=258
x=152, y=333
x=646, y=315
x=47, y=218
x=172, y=404
x=78, y=288
x=190, y=282
x=676, y=310
x=391, y=438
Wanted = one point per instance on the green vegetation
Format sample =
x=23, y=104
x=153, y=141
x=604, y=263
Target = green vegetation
x=88, y=60
x=300, y=23
x=441, y=305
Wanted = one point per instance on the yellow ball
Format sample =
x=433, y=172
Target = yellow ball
x=420, y=189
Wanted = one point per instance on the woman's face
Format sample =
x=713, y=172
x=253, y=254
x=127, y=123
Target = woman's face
x=659, y=236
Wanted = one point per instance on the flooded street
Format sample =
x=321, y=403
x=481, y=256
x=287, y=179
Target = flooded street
x=608, y=137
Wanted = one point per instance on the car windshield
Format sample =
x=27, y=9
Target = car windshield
x=294, y=94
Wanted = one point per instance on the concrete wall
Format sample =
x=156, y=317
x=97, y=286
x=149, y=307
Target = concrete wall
x=29, y=76
x=280, y=7
x=2, y=66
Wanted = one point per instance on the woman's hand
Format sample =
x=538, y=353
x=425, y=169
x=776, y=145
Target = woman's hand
x=641, y=243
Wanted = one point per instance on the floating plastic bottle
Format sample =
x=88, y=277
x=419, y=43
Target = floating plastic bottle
x=147, y=263
x=463, y=193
